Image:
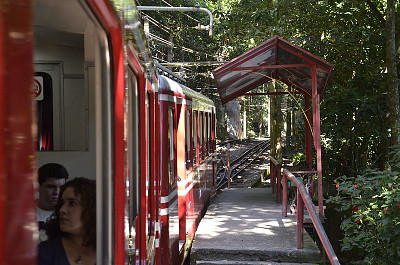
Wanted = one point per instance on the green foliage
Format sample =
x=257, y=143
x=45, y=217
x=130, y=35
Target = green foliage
x=370, y=205
x=299, y=159
x=350, y=34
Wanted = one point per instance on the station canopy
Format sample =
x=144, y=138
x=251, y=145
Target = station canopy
x=274, y=59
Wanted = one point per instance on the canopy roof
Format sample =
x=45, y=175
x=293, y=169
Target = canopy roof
x=274, y=59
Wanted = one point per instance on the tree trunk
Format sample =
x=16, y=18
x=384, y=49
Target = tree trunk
x=276, y=125
x=392, y=82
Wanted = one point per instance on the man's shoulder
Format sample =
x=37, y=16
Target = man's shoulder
x=42, y=215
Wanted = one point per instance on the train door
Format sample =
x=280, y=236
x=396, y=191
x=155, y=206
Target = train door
x=173, y=179
x=190, y=203
x=74, y=40
x=183, y=182
x=151, y=181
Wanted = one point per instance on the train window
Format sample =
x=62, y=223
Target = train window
x=205, y=133
x=209, y=132
x=195, y=133
x=171, y=137
x=60, y=90
x=133, y=184
x=150, y=177
x=201, y=135
x=188, y=140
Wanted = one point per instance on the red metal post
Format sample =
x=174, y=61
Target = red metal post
x=300, y=218
x=278, y=183
x=307, y=124
x=317, y=136
x=272, y=175
x=229, y=169
x=284, y=195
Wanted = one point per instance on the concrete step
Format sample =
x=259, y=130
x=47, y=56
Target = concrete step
x=246, y=262
x=306, y=255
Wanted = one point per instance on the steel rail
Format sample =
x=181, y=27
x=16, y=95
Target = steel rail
x=245, y=159
x=305, y=197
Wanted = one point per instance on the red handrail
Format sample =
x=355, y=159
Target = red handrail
x=275, y=173
x=303, y=196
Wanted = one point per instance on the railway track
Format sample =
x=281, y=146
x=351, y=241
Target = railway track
x=240, y=164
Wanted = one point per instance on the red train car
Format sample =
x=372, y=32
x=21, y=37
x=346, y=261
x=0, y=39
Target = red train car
x=100, y=108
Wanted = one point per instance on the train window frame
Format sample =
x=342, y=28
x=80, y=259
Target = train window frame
x=133, y=187
x=171, y=147
x=195, y=137
x=188, y=139
x=206, y=151
x=201, y=140
x=150, y=180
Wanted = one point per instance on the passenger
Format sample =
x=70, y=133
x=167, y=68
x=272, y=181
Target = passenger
x=51, y=177
x=72, y=227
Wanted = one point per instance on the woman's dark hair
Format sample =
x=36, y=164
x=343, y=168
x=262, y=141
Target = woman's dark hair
x=86, y=188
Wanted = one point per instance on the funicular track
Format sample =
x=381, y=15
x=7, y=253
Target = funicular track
x=239, y=164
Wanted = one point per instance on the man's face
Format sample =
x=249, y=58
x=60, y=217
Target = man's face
x=48, y=193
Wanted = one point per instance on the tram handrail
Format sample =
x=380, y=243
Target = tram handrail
x=305, y=197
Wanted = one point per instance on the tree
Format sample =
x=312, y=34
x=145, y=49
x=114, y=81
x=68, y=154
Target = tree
x=393, y=95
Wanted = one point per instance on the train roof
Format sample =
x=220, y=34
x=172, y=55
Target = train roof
x=167, y=84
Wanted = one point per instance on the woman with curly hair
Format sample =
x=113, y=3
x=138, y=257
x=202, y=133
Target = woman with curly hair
x=72, y=229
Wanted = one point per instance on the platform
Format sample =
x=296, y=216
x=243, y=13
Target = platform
x=245, y=226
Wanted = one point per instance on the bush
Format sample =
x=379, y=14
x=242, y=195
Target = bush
x=370, y=206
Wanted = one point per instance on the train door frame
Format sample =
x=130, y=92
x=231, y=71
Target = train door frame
x=150, y=176
x=111, y=39
x=180, y=119
x=17, y=166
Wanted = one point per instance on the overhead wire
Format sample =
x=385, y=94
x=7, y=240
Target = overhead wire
x=303, y=111
x=166, y=30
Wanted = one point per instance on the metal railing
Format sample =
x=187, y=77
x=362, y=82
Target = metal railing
x=275, y=177
x=303, y=198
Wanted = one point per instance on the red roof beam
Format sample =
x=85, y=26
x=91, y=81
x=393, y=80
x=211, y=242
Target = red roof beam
x=272, y=93
x=276, y=66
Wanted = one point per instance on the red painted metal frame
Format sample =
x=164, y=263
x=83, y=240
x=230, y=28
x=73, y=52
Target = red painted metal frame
x=278, y=43
x=17, y=152
x=272, y=93
x=140, y=240
x=105, y=13
x=304, y=198
x=317, y=136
